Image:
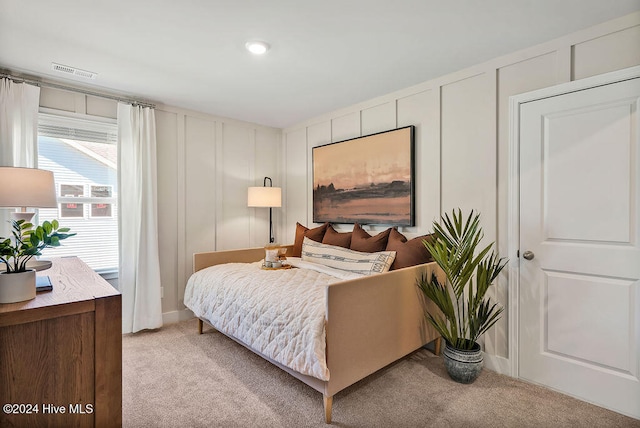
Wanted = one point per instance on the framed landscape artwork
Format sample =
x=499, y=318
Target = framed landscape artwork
x=368, y=180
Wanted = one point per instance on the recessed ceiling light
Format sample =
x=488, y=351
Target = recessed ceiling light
x=257, y=47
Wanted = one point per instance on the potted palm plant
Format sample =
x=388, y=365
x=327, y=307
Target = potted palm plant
x=18, y=282
x=466, y=311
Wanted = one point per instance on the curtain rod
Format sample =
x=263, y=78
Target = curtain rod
x=72, y=89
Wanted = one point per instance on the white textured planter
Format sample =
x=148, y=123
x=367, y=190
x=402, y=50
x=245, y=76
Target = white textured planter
x=17, y=287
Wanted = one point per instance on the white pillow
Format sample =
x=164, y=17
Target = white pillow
x=346, y=259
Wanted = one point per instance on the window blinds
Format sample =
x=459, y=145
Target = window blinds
x=77, y=129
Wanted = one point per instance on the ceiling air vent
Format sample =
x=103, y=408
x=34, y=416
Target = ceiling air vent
x=73, y=71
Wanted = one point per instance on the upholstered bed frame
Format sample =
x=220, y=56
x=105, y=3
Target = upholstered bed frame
x=370, y=322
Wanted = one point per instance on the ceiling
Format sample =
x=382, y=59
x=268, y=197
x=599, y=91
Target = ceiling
x=325, y=54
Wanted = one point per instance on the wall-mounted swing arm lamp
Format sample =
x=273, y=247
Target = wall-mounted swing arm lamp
x=268, y=197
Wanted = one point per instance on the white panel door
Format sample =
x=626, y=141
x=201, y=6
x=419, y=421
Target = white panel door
x=579, y=326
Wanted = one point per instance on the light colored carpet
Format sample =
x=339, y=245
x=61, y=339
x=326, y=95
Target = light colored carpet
x=175, y=377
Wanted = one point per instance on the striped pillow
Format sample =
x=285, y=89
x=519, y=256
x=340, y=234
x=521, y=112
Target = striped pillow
x=346, y=259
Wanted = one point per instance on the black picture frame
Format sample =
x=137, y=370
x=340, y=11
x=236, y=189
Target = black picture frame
x=366, y=180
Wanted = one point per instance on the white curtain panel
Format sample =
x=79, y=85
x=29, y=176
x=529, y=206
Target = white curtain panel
x=139, y=273
x=19, y=103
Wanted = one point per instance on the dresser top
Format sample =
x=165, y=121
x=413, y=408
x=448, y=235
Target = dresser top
x=73, y=281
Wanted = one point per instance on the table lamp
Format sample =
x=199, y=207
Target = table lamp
x=26, y=188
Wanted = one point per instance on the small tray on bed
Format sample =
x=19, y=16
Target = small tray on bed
x=276, y=268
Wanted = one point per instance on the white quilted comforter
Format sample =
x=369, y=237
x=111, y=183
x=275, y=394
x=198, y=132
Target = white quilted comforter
x=278, y=313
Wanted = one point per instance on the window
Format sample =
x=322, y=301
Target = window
x=83, y=157
x=102, y=195
x=70, y=208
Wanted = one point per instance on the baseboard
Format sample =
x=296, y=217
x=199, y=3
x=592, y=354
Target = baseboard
x=176, y=316
x=497, y=364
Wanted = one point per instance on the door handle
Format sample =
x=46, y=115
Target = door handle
x=528, y=255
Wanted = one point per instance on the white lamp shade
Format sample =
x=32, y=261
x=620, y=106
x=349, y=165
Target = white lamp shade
x=27, y=187
x=264, y=197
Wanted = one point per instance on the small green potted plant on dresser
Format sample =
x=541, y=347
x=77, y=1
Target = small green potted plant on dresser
x=467, y=312
x=18, y=282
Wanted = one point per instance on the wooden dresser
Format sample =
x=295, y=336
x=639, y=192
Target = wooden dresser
x=62, y=352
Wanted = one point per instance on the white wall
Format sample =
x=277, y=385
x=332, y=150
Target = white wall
x=205, y=165
x=462, y=128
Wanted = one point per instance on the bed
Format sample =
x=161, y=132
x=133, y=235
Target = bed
x=368, y=322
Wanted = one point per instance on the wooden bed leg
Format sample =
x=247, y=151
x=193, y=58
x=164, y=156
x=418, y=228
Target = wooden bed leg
x=437, y=344
x=328, y=403
x=200, y=325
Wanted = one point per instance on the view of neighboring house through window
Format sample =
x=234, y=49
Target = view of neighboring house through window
x=83, y=156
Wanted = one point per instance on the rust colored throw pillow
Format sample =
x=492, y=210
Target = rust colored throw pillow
x=315, y=234
x=339, y=239
x=408, y=252
x=362, y=241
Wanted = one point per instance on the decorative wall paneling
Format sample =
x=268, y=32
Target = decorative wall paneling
x=609, y=52
x=345, y=127
x=208, y=163
x=199, y=207
x=268, y=162
x=378, y=118
x=317, y=135
x=170, y=205
x=205, y=164
x=295, y=194
x=537, y=72
x=77, y=103
x=468, y=154
x=462, y=134
x=423, y=110
x=233, y=219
